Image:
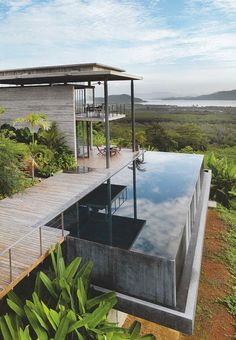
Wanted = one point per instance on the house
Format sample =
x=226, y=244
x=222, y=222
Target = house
x=66, y=93
x=139, y=216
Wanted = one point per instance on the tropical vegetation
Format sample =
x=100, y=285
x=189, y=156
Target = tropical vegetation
x=64, y=306
x=35, y=149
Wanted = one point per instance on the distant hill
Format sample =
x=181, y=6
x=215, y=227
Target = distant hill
x=119, y=99
x=222, y=95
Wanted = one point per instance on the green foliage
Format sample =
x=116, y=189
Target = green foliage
x=98, y=138
x=230, y=302
x=186, y=149
x=34, y=121
x=70, y=312
x=190, y=135
x=229, y=216
x=53, y=138
x=12, y=178
x=158, y=137
x=2, y=110
x=22, y=135
x=223, y=180
x=65, y=160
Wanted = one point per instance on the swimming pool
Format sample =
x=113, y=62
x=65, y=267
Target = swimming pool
x=144, y=232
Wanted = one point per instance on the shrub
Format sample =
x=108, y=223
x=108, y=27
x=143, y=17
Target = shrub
x=11, y=176
x=53, y=138
x=65, y=161
x=223, y=180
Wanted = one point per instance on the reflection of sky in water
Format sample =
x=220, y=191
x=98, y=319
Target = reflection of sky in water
x=164, y=193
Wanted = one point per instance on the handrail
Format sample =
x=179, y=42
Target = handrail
x=99, y=110
x=38, y=229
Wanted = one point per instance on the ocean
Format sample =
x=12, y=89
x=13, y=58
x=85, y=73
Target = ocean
x=190, y=103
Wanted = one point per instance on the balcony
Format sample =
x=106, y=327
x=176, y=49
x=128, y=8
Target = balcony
x=96, y=113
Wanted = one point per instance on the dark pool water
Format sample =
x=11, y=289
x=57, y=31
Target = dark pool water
x=164, y=187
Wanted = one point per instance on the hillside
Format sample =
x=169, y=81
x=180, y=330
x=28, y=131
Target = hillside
x=119, y=99
x=222, y=95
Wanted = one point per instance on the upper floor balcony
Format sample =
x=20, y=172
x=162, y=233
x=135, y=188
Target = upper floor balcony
x=96, y=113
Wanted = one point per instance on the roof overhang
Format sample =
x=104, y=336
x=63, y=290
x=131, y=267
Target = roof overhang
x=64, y=74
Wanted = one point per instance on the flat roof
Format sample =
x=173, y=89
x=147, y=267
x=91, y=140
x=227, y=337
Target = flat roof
x=64, y=74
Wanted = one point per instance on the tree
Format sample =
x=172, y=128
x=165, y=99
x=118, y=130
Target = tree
x=190, y=135
x=34, y=121
x=158, y=137
x=11, y=177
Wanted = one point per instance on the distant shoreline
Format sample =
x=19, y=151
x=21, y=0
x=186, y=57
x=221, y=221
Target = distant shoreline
x=189, y=103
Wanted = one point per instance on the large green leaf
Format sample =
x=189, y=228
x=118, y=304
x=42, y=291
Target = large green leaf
x=16, y=308
x=10, y=326
x=72, y=268
x=85, y=273
x=98, y=315
x=48, y=313
x=38, y=306
x=82, y=296
x=61, y=268
x=107, y=297
x=134, y=330
x=4, y=329
x=13, y=297
x=63, y=329
x=48, y=284
x=38, y=329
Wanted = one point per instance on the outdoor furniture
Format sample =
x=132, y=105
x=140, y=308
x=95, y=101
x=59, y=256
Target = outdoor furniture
x=114, y=150
x=101, y=150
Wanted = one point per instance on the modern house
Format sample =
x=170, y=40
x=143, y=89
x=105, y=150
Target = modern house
x=139, y=216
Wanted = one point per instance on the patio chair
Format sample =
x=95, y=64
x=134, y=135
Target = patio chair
x=101, y=151
x=114, y=150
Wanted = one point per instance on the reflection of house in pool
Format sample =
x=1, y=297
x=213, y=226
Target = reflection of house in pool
x=140, y=217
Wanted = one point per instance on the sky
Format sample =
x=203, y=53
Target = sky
x=180, y=47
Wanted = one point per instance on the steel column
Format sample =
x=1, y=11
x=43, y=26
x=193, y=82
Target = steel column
x=91, y=135
x=107, y=128
x=134, y=190
x=133, y=116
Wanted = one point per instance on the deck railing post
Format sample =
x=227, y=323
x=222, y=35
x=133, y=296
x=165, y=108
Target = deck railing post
x=133, y=116
x=40, y=241
x=10, y=264
x=62, y=224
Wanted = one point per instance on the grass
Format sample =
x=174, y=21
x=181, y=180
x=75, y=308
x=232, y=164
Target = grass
x=229, y=217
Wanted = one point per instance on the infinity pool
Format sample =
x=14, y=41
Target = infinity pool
x=139, y=224
x=165, y=184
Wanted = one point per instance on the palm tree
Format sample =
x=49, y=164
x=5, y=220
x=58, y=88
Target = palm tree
x=34, y=121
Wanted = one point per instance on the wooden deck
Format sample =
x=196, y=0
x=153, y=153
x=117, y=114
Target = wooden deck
x=98, y=162
x=23, y=214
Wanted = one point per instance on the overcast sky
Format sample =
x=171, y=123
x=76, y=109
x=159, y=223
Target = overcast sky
x=178, y=46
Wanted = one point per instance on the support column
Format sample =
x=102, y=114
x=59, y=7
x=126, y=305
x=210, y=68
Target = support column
x=134, y=190
x=107, y=128
x=133, y=116
x=87, y=138
x=91, y=135
x=109, y=214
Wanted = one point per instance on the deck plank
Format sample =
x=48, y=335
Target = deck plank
x=36, y=206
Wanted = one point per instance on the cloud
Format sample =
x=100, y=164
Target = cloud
x=227, y=6
x=136, y=35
